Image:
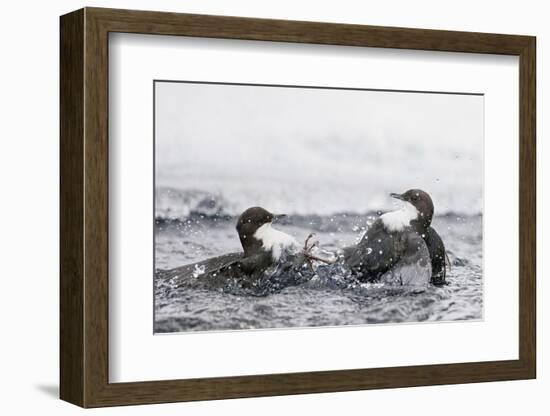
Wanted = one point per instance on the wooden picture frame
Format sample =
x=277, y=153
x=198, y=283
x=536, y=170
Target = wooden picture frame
x=84, y=207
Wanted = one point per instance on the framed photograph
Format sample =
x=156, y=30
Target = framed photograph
x=254, y=207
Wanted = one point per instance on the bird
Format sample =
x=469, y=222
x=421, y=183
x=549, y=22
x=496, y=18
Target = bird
x=401, y=246
x=262, y=244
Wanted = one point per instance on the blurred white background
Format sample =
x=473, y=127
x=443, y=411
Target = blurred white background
x=319, y=151
x=29, y=213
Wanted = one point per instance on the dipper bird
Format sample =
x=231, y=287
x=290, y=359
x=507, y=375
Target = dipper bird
x=262, y=246
x=401, y=246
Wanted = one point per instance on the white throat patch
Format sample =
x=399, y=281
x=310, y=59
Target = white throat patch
x=275, y=240
x=398, y=220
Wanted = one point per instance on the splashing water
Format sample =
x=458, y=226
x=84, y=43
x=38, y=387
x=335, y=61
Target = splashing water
x=302, y=298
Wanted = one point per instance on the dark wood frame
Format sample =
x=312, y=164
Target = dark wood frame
x=84, y=208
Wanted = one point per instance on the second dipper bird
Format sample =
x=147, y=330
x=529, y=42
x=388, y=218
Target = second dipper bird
x=401, y=246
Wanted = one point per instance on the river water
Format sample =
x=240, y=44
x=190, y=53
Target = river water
x=326, y=298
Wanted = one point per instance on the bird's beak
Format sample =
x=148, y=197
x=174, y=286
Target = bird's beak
x=278, y=217
x=397, y=196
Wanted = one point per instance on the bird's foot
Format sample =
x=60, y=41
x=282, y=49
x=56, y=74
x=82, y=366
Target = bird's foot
x=309, y=245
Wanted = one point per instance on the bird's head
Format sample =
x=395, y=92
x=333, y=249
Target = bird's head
x=422, y=202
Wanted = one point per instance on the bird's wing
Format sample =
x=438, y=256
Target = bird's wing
x=414, y=267
x=254, y=263
x=204, y=267
x=377, y=251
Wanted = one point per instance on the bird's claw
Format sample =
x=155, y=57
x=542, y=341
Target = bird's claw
x=307, y=246
x=311, y=257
